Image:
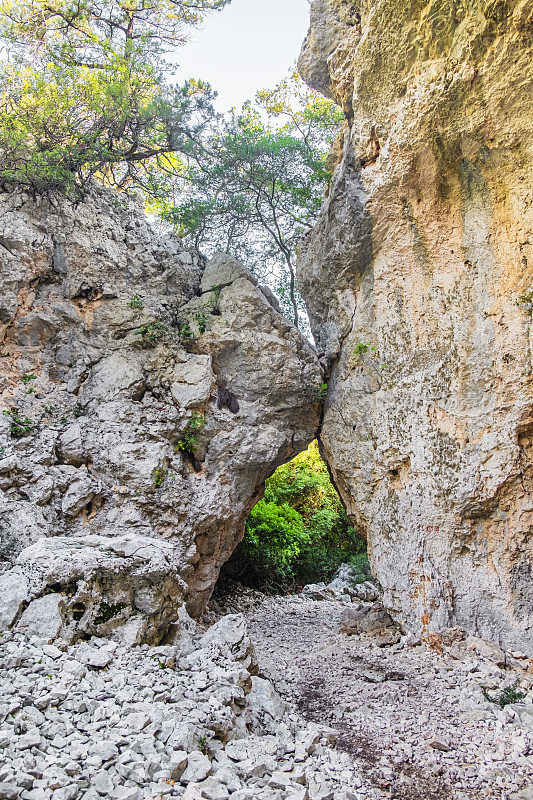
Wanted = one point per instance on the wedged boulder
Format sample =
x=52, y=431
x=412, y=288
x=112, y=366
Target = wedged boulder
x=43, y=617
x=148, y=396
x=127, y=587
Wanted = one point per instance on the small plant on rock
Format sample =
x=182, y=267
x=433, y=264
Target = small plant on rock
x=189, y=440
x=361, y=348
x=201, y=320
x=108, y=611
x=18, y=426
x=202, y=743
x=317, y=394
x=136, y=302
x=525, y=299
x=511, y=694
x=184, y=329
x=26, y=380
x=151, y=333
x=214, y=300
x=160, y=476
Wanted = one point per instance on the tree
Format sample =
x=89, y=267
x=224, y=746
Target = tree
x=83, y=91
x=258, y=183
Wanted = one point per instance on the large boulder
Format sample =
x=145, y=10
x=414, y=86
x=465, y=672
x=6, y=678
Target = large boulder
x=419, y=284
x=147, y=396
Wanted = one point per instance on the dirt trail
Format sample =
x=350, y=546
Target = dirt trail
x=415, y=721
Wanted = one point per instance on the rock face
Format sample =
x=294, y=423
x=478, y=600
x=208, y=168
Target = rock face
x=145, y=397
x=419, y=284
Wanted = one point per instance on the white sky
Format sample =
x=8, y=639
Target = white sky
x=249, y=45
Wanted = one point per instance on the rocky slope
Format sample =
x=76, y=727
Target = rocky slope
x=145, y=397
x=416, y=721
x=419, y=280
x=183, y=721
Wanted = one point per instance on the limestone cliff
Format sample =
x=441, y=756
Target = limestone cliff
x=419, y=284
x=145, y=397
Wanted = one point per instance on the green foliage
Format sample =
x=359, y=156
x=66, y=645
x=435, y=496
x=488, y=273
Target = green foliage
x=83, y=92
x=18, y=426
x=317, y=394
x=368, y=355
x=136, y=302
x=26, y=380
x=214, y=299
x=107, y=612
x=299, y=532
x=362, y=348
x=203, y=743
x=184, y=329
x=201, y=321
x=160, y=476
x=151, y=333
x=361, y=566
x=258, y=184
x=272, y=541
x=510, y=694
x=189, y=440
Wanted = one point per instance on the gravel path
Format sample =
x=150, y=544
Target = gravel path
x=416, y=722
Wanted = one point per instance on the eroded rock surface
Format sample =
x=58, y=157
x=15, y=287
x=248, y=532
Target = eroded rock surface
x=146, y=398
x=418, y=279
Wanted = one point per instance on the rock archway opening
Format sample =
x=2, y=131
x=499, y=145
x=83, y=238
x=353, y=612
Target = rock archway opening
x=298, y=534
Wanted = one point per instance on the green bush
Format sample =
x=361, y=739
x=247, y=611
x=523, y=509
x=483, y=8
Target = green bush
x=509, y=695
x=299, y=533
x=272, y=542
x=361, y=565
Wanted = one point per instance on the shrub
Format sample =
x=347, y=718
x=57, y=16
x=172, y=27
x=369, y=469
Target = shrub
x=511, y=694
x=160, y=476
x=272, y=541
x=136, y=302
x=317, y=394
x=201, y=321
x=361, y=565
x=299, y=533
x=184, y=329
x=214, y=300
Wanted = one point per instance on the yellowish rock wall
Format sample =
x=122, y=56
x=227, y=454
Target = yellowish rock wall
x=419, y=283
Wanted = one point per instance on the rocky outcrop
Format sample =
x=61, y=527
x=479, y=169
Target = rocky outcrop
x=419, y=284
x=146, y=397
